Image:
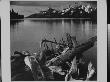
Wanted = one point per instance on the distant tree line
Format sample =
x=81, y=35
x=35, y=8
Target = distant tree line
x=14, y=15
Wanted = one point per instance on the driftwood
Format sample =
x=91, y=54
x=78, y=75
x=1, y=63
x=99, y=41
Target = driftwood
x=40, y=72
x=52, y=42
x=70, y=40
x=71, y=53
x=36, y=70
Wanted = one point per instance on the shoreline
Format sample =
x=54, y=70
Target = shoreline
x=51, y=18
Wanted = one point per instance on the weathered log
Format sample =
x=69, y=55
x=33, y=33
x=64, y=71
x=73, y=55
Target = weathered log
x=36, y=69
x=52, y=42
x=70, y=54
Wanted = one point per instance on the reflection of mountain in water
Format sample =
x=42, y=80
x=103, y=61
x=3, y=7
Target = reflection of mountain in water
x=51, y=21
x=60, y=20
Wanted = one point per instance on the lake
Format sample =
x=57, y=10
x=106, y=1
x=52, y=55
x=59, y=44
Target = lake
x=26, y=34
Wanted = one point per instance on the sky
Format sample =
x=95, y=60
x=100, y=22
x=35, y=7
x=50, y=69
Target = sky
x=27, y=8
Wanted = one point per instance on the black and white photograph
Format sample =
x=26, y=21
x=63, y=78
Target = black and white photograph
x=53, y=40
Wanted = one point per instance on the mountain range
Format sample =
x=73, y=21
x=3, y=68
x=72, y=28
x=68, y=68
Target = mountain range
x=70, y=12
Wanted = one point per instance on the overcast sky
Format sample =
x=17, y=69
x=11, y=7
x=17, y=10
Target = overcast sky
x=30, y=7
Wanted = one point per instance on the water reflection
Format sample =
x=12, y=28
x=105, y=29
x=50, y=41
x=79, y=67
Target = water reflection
x=28, y=32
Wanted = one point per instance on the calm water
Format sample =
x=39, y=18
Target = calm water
x=27, y=34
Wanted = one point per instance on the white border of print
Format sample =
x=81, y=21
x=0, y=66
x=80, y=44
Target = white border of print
x=101, y=39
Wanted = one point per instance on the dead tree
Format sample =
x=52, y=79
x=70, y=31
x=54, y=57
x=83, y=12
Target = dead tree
x=71, y=53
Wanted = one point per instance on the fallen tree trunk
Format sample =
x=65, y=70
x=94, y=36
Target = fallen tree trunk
x=70, y=54
x=52, y=42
